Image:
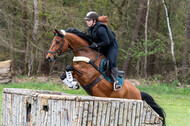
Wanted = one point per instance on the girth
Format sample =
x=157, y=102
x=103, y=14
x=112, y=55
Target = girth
x=88, y=88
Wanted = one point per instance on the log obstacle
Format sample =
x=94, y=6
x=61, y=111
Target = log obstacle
x=25, y=107
x=6, y=71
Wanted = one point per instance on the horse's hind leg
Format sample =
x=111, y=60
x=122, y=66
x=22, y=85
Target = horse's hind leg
x=133, y=92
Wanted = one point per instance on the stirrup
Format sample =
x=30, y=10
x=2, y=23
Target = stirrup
x=117, y=86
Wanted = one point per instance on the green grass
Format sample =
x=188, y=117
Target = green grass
x=174, y=101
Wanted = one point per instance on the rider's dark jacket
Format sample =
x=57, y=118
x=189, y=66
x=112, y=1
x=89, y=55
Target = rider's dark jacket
x=104, y=37
x=93, y=32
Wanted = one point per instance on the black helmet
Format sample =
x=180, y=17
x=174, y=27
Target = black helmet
x=91, y=15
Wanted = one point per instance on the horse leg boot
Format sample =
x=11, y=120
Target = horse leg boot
x=114, y=76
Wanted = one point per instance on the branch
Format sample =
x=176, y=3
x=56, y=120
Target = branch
x=7, y=45
x=119, y=6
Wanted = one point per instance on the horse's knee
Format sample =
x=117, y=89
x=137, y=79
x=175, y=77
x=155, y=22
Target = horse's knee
x=63, y=76
x=69, y=68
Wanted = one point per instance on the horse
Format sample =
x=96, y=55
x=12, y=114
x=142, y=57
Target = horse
x=87, y=74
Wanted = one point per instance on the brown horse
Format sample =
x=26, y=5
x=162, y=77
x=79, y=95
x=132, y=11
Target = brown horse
x=86, y=74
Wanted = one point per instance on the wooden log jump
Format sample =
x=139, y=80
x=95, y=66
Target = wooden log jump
x=6, y=71
x=25, y=107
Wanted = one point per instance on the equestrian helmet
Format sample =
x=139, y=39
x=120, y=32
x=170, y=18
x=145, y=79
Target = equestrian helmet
x=91, y=15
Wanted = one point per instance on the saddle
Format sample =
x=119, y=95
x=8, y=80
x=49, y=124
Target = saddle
x=106, y=70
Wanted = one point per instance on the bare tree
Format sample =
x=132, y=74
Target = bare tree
x=185, y=62
x=146, y=37
x=24, y=32
x=45, y=67
x=34, y=34
x=135, y=36
x=171, y=37
x=11, y=25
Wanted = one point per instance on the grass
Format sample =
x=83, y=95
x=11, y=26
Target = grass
x=174, y=101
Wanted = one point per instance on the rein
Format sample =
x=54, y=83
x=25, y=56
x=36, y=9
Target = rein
x=76, y=49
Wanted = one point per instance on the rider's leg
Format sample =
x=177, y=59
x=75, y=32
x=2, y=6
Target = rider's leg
x=114, y=76
x=112, y=56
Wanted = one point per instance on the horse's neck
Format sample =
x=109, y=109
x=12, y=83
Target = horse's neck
x=75, y=41
x=76, y=44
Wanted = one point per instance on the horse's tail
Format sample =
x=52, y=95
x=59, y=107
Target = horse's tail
x=150, y=101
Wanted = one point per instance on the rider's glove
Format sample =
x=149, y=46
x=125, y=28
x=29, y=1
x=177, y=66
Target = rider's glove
x=93, y=46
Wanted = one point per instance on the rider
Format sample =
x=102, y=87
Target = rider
x=105, y=40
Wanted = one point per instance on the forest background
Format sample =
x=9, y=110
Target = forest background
x=148, y=48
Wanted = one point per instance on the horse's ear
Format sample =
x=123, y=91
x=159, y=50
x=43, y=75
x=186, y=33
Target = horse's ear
x=55, y=31
x=60, y=32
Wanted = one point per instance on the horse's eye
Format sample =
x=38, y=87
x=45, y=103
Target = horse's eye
x=57, y=42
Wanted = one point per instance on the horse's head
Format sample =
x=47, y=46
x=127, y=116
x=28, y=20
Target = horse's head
x=59, y=45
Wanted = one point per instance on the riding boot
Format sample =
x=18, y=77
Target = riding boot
x=114, y=76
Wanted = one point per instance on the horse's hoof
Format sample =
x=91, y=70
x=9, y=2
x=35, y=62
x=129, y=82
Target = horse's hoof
x=77, y=87
x=63, y=76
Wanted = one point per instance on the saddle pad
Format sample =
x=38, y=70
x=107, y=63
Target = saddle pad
x=120, y=79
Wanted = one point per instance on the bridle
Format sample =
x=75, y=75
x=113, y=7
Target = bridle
x=60, y=48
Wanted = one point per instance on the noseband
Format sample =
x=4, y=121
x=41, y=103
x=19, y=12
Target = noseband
x=59, y=50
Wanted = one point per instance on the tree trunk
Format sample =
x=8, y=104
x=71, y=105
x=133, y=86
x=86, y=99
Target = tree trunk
x=135, y=36
x=157, y=15
x=25, y=42
x=171, y=37
x=146, y=38
x=11, y=26
x=46, y=67
x=152, y=57
x=34, y=36
x=185, y=62
x=12, y=42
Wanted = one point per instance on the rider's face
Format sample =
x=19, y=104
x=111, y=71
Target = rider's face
x=90, y=22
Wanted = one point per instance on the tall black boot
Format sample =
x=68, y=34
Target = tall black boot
x=114, y=76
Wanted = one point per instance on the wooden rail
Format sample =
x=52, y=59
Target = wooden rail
x=25, y=107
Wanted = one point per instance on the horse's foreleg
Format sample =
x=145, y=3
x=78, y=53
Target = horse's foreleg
x=72, y=68
x=68, y=79
x=69, y=68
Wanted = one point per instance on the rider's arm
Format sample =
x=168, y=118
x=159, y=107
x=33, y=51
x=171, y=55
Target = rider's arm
x=102, y=34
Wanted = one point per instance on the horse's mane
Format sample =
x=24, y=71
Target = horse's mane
x=81, y=34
